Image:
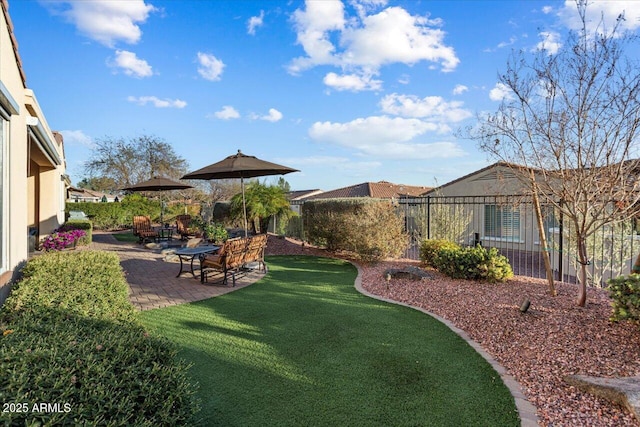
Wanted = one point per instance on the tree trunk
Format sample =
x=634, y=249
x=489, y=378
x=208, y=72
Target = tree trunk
x=543, y=243
x=583, y=260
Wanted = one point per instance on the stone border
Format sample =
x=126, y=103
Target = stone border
x=526, y=410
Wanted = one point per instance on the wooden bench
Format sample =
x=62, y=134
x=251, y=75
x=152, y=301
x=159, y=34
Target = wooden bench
x=233, y=257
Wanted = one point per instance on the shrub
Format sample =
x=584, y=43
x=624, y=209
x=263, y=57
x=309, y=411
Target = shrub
x=80, y=224
x=474, y=263
x=369, y=228
x=59, y=240
x=429, y=248
x=625, y=293
x=215, y=232
x=71, y=337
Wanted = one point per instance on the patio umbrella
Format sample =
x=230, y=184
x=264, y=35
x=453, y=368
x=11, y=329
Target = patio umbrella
x=158, y=184
x=239, y=166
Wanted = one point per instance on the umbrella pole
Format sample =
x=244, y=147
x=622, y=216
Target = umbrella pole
x=244, y=207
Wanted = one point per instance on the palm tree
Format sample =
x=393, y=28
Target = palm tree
x=263, y=202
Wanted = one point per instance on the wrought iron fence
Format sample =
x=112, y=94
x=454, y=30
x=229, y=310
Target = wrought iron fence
x=508, y=223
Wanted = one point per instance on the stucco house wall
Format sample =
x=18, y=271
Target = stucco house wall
x=465, y=203
x=32, y=166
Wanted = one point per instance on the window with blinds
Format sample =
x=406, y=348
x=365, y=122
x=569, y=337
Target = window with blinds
x=502, y=222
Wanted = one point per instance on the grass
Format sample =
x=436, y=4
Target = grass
x=303, y=347
x=125, y=237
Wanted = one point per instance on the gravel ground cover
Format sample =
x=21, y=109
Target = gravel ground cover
x=555, y=338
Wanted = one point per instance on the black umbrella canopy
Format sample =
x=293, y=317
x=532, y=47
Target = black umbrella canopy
x=158, y=184
x=239, y=166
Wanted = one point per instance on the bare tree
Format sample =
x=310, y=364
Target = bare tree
x=138, y=159
x=572, y=121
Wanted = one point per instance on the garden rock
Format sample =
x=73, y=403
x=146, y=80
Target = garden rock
x=623, y=390
x=411, y=272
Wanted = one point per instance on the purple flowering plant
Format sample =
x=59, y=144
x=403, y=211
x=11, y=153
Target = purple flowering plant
x=59, y=240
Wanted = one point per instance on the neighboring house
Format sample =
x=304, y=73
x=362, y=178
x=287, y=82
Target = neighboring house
x=376, y=190
x=296, y=198
x=490, y=201
x=76, y=195
x=32, y=163
x=493, y=208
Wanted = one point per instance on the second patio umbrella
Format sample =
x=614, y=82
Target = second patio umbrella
x=239, y=166
x=158, y=184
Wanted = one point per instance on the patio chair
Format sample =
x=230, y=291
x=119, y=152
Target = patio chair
x=228, y=260
x=255, y=251
x=182, y=226
x=142, y=228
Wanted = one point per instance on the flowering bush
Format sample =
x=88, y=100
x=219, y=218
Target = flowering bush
x=59, y=240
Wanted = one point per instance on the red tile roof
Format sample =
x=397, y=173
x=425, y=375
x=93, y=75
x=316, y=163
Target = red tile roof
x=378, y=190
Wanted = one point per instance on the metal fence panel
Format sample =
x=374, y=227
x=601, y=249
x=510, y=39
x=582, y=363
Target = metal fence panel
x=508, y=223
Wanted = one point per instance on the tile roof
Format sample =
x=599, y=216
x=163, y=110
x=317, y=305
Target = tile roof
x=302, y=194
x=378, y=190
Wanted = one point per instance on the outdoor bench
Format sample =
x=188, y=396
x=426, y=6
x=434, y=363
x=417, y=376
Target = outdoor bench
x=234, y=256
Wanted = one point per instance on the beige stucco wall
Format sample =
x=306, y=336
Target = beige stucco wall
x=16, y=151
x=30, y=195
x=486, y=187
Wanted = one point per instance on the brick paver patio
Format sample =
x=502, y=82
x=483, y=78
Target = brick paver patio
x=153, y=282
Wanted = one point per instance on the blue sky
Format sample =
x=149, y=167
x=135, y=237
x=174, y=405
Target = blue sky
x=346, y=91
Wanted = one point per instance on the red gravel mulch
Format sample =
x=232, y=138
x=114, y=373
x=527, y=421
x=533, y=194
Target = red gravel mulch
x=555, y=338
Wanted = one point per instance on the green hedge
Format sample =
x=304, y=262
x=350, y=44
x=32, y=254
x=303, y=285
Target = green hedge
x=625, y=293
x=372, y=229
x=71, y=337
x=106, y=216
x=80, y=224
x=472, y=263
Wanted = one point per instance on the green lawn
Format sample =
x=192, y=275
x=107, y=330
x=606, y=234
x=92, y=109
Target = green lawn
x=303, y=347
x=125, y=237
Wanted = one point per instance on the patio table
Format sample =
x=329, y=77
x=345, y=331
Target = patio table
x=165, y=233
x=190, y=254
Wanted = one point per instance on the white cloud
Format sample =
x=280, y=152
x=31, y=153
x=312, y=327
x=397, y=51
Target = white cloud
x=500, y=92
x=255, y=22
x=460, y=89
x=273, y=116
x=210, y=67
x=365, y=6
x=77, y=137
x=157, y=102
x=131, y=65
x=313, y=26
x=105, y=21
x=394, y=35
x=603, y=10
x=430, y=107
x=227, y=113
x=352, y=82
x=385, y=137
x=361, y=45
x=547, y=9
x=502, y=45
x=550, y=42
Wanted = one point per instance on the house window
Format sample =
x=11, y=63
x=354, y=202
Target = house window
x=502, y=222
x=3, y=193
x=551, y=223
